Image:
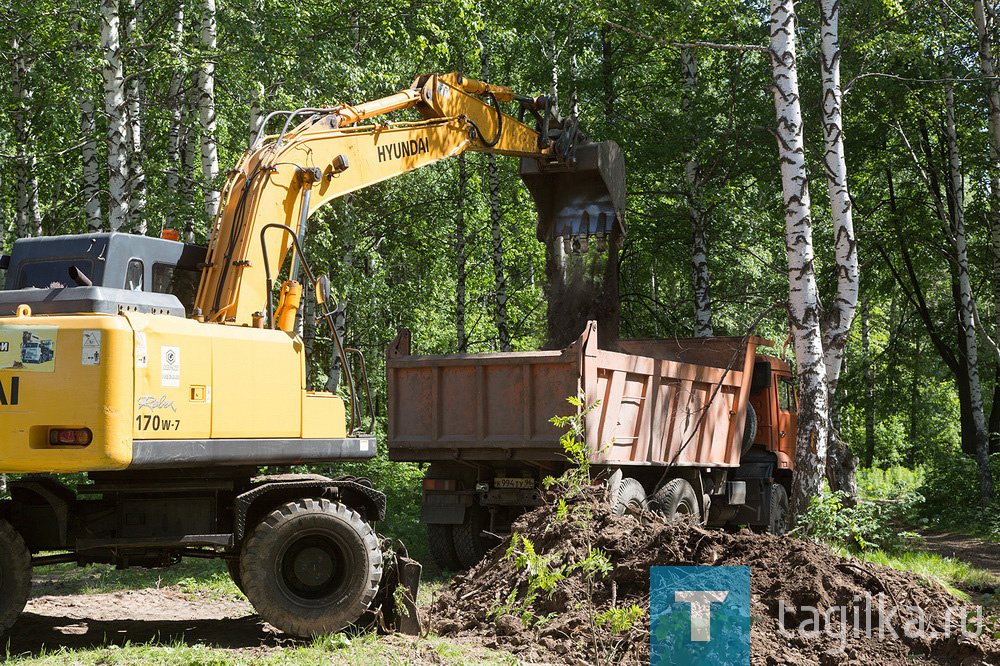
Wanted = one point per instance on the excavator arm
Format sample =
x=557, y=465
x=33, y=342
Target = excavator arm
x=284, y=178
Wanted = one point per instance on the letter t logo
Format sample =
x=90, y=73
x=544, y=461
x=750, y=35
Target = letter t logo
x=701, y=611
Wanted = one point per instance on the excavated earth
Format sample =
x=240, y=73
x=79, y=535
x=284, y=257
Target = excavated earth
x=796, y=571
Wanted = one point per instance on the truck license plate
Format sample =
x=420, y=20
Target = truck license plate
x=513, y=482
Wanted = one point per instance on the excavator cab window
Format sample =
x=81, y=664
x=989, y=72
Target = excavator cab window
x=181, y=282
x=133, y=275
x=49, y=274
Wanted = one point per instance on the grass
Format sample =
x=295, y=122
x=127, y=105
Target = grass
x=367, y=649
x=206, y=577
x=954, y=575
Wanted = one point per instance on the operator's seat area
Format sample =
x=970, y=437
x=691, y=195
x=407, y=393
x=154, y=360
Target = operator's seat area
x=105, y=273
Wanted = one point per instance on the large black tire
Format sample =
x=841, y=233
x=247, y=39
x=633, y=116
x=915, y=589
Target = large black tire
x=311, y=567
x=15, y=575
x=441, y=540
x=778, y=510
x=628, y=493
x=233, y=567
x=675, y=498
x=749, y=428
x=470, y=544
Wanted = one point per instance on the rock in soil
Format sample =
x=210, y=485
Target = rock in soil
x=559, y=627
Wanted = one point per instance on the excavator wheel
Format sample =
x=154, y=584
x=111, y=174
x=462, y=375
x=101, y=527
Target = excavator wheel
x=233, y=567
x=312, y=566
x=15, y=575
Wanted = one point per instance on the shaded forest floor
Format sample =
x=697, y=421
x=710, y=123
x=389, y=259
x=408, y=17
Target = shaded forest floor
x=980, y=554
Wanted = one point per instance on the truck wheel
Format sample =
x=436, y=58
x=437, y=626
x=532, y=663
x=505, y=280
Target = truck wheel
x=778, y=510
x=15, y=575
x=312, y=566
x=441, y=540
x=749, y=428
x=675, y=498
x=470, y=546
x=628, y=493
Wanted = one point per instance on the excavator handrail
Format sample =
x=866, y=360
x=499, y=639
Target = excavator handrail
x=367, y=387
x=327, y=315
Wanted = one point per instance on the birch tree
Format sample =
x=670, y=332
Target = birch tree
x=89, y=160
x=137, y=172
x=701, y=279
x=28, y=214
x=460, y=258
x=206, y=108
x=803, y=296
x=966, y=304
x=176, y=105
x=496, y=221
x=114, y=107
x=836, y=322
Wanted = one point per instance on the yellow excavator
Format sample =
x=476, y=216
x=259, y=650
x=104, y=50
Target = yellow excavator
x=170, y=377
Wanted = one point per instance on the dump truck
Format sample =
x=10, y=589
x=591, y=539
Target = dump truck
x=699, y=426
x=165, y=372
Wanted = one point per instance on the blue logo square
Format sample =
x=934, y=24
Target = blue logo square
x=700, y=615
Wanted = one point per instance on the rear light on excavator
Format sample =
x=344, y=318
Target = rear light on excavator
x=440, y=484
x=70, y=437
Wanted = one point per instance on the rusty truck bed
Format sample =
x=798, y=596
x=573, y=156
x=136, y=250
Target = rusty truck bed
x=677, y=401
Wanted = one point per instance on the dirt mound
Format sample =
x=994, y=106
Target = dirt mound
x=799, y=573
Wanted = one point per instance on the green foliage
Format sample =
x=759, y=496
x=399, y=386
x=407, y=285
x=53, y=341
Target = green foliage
x=578, y=454
x=620, y=619
x=951, y=498
x=893, y=483
x=869, y=525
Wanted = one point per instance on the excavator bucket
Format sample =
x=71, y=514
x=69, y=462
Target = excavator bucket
x=582, y=202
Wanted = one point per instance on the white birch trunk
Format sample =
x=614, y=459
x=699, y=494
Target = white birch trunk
x=838, y=317
x=28, y=215
x=965, y=300
x=701, y=279
x=189, y=156
x=175, y=128
x=114, y=108
x=987, y=64
x=137, y=173
x=256, y=114
x=499, y=269
x=91, y=166
x=460, y=258
x=496, y=221
x=803, y=296
x=206, y=108
x=89, y=159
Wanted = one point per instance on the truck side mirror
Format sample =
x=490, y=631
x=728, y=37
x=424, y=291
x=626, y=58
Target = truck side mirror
x=322, y=289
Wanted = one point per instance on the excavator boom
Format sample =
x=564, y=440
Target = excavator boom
x=286, y=177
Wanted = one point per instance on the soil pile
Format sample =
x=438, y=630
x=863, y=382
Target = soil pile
x=797, y=572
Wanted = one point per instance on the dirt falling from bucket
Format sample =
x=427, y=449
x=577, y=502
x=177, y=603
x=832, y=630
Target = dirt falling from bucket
x=581, y=286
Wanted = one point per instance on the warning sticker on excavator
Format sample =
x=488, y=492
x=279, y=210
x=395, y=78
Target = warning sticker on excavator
x=91, y=348
x=170, y=366
x=28, y=348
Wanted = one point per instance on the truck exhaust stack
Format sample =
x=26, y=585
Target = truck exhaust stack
x=581, y=219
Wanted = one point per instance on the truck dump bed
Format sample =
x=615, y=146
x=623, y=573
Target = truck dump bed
x=679, y=401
